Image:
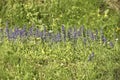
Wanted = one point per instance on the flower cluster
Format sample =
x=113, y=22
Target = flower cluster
x=71, y=34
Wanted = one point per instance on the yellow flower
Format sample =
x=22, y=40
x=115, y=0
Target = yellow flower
x=118, y=29
x=60, y=15
x=106, y=13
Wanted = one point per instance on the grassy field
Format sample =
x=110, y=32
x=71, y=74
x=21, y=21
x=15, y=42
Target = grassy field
x=59, y=40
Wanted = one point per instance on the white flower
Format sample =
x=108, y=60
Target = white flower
x=116, y=39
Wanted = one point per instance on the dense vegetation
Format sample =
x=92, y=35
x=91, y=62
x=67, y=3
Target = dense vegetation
x=59, y=40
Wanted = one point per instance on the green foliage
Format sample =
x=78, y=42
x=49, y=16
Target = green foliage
x=58, y=61
x=33, y=60
x=53, y=13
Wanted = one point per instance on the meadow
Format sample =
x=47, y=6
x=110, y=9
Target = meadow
x=59, y=40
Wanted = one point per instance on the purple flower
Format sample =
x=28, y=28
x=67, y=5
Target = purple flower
x=64, y=33
x=13, y=35
x=79, y=33
x=75, y=35
x=53, y=38
x=96, y=34
x=7, y=31
x=16, y=31
x=91, y=56
x=92, y=36
x=104, y=40
x=111, y=44
x=69, y=33
x=37, y=33
x=22, y=33
x=31, y=31
x=50, y=35
x=58, y=37
x=44, y=33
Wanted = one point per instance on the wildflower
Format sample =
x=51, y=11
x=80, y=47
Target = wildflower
x=50, y=34
x=31, y=32
x=92, y=36
x=96, y=34
x=21, y=33
x=104, y=40
x=7, y=31
x=13, y=35
x=64, y=33
x=16, y=31
x=79, y=33
x=44, y=33
x=53, y=39
x=91, y=56
x=37, y=33
x=69, y=33
x=75, y=33
x=111, y=44
x=116, y=39
x=58, y=37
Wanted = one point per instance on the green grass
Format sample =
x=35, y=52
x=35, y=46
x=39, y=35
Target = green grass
x=30, y=60
x=33, y=60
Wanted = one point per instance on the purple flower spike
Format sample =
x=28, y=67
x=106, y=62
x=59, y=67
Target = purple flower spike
x=96, y=34
x=64, y=33
x=37, y=33
x=44, y=34
x=16, y=31
x=79, y=33
x=58, y=37
x=92, y=36
x=104, y=40
x=13, y=35
x=7, y=31
x=75, y=33
x=111, y=44
x=49, y=35
x=69, y=33
x=91, y=56
x=22, y=33
x=31, y=31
